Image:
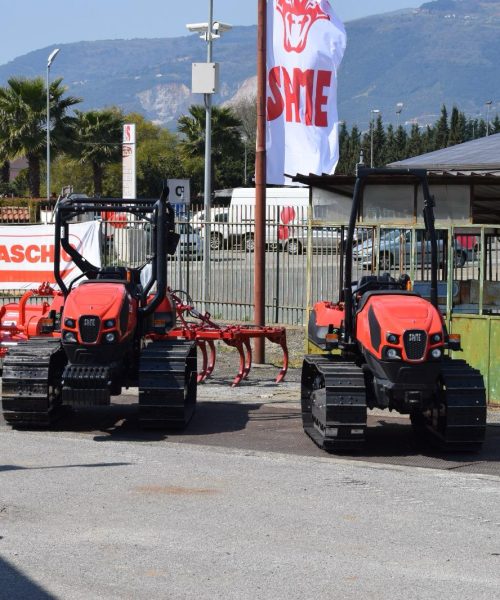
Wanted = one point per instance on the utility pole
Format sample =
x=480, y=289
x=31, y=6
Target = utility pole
x=260, y=182
x=206, y=81
x=374, y=111
x=50, y=60
x=488, y=104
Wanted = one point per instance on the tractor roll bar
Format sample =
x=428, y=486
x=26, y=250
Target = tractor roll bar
x=363, y=175
x=164, y=238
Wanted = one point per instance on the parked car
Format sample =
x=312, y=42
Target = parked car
x=219, y=230
x=190, y=243
x=324, y=239
x=396, y=246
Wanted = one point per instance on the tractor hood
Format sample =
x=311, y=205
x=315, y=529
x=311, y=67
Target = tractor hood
x=407, y=319
x=104, y=300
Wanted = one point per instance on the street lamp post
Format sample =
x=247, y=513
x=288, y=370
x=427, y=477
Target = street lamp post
x=207, y=186
x=374, y=111
x=50, y=60
x=209, y=31
x=488, y=104
x=399, y=109
x=244, y=139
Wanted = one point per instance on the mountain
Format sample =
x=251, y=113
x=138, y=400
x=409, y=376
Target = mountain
x=445, y=52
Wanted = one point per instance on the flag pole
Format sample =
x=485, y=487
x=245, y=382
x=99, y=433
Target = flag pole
x=260, y=183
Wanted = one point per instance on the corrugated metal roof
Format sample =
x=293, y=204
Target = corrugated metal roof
x=477, y=156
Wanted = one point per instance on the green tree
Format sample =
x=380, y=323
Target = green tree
x=344, y=154
x=4, y=157
x=379, y=140
x=246, y=111
x=227, y=145
x=23, y=110
x=67, y=171
x=442, y=131
x=390, y=145
x=495, y=125
x=481, y=128
x=5, y=171
x=98, y=142
x=457, y=127
x=414, y=146
x=400, y=142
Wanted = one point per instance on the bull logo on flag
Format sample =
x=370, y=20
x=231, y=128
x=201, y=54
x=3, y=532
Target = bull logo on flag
x=298, y=18
x=305, y=45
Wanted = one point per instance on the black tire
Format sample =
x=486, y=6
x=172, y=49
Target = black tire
x=386, y=261
x=294, y=247
x=216, y=241
x=249, y=243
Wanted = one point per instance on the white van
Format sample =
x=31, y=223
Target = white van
x=284, y=206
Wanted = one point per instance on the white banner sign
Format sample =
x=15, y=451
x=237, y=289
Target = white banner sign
x=27, y=254
x=129, y=176
x=305, y=46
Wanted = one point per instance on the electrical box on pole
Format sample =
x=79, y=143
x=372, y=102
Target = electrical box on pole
x=205, y=78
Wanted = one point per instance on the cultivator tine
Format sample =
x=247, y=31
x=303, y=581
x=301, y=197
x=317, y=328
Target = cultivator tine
x=202, y=375
x=284, y=368
x=241, y=371
x=213, y=358
x=206, y=331
x=248, y=361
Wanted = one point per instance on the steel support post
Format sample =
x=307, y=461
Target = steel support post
x=260, y=184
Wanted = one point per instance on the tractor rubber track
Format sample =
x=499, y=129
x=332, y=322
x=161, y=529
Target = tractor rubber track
x=167, y=384
x=31, y=382
x=333, y=399
x=457, y=422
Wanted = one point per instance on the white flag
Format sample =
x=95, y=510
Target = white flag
x=305, y=46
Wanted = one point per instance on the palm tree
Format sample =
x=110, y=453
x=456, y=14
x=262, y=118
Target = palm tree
x=23, y=111
x=98, y=136
x=4, y=171
x=227, y=145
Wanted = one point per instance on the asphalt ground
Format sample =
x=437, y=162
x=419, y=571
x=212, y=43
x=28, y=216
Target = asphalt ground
x=242, y=505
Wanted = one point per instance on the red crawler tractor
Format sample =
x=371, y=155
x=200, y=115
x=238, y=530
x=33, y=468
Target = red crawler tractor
x=384, y=346
x=109, y=331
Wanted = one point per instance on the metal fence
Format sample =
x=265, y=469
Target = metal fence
x=304, y=261
x=229, y=292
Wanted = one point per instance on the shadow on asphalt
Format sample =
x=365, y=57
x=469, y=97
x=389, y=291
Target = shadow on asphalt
x=120, y=422
x=16, y=584
x=4, y=468
x=392, y=441
x=269, y=428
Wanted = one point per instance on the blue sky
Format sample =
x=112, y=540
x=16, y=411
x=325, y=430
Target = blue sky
x=34, y=24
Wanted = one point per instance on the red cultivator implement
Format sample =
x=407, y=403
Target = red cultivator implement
x=22, y=320
x=193, y=325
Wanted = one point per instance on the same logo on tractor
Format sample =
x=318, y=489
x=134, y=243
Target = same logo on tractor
x=298, y=18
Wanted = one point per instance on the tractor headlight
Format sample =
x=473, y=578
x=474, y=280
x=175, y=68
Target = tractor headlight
x=110, y=338
x=436, y=338
x=392, y=354
x=109, y=323
x=69, y=323
x=436, y=353
x=392, y=338
x=69, y=337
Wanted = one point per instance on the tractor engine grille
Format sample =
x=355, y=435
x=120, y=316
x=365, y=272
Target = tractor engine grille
x=89, y=328
x=415, y=341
